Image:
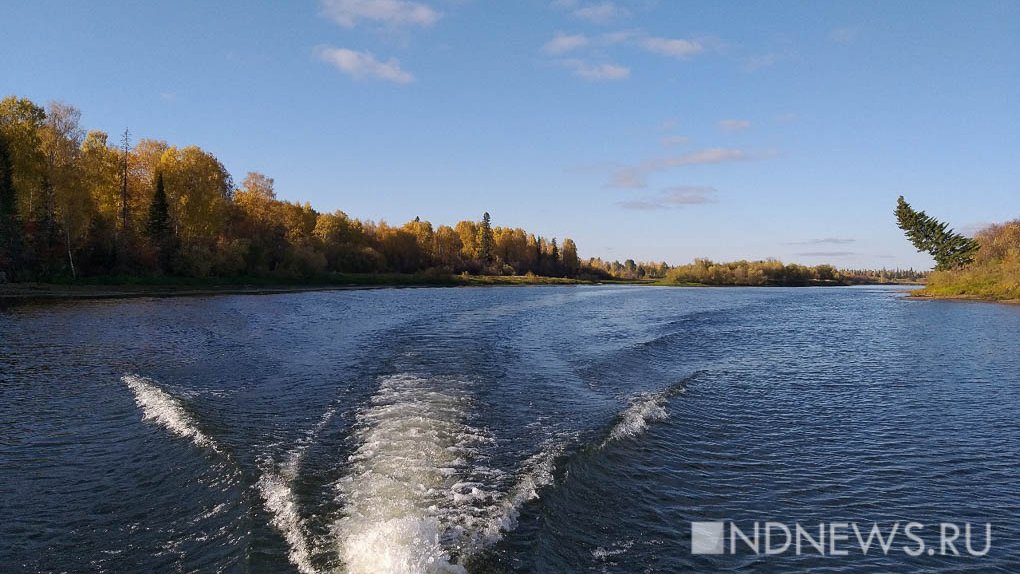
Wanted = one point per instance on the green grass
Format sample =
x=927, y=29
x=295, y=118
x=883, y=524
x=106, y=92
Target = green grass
x=990, y=282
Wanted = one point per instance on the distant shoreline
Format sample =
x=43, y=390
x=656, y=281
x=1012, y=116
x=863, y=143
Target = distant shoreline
x=134, y=288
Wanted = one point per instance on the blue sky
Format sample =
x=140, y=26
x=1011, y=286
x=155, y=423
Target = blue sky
x=657, y=130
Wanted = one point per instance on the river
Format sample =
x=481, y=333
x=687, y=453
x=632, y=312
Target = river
x=520, y=429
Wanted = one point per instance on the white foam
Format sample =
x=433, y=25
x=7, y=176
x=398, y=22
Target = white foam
x=417, y=490
x=616, y=549
x=163, y=409
x=280, y=502
x=644, y=408
x=276, y=488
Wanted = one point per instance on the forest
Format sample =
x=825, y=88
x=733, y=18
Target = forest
x=772, y=272
x=75, y=204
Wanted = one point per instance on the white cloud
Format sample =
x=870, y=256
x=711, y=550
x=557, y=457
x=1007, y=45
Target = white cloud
x=843, y=35
x=734, y=125
x=702, y=157
x=360, y=65
x=674, y=47
x=347, y=13
x=601, y=13
x=667, y=124
x=627, y=178
x=596, y=45
x=762, y=61
x=620, y=37
x=564, y=43
x=599, y=72
x=824, y=241
x=670, y=141
x=674, y=197
x=633, y=177
x=825, y=254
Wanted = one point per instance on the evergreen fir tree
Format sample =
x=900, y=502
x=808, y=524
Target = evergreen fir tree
x=158, y=224
x=950, y=249
x=486, y=242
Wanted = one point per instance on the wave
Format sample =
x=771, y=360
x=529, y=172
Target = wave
x=163, y=409
x=286, y=518
x=644, y=408
x=277, y=490
x=408, y=477
x=419, y=496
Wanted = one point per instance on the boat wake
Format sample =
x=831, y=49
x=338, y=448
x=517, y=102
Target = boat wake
x=644, y=408
x=163, y=409
x=417, y=495
x=276, y=485
x=416, y=482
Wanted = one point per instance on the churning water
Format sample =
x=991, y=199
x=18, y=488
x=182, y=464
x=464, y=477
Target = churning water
x=500, y=430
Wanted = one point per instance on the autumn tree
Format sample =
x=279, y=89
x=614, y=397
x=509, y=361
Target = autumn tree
x=951, y=250
x=400, y=248
x=198, y=190
x=67, y=200
x=20, y=124
x=100, y=173
x=344, y=244
x=468, y=231
x=571, y=263
x=448, y=247
x=9, y=231
x=424, y=238
x=259, y=184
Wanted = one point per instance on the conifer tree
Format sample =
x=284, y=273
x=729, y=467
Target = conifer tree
x=486, y=242
x=158, y=223
x=951, y=250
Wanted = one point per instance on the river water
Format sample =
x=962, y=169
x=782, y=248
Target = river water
x=522, y=429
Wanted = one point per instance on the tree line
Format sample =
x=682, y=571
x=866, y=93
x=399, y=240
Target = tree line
x=74, y=203
x=751, y=273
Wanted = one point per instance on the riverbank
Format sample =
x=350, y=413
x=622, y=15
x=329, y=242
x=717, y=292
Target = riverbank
x=134, y=287
x=127, y=287
x=924, y=294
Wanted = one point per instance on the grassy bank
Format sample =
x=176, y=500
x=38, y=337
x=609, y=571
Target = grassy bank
x=993, y=276
x=997, y=283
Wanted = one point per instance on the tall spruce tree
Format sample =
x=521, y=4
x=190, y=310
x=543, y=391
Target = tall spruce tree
x=951, y=250
x=486, y=243
x=157, y=226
